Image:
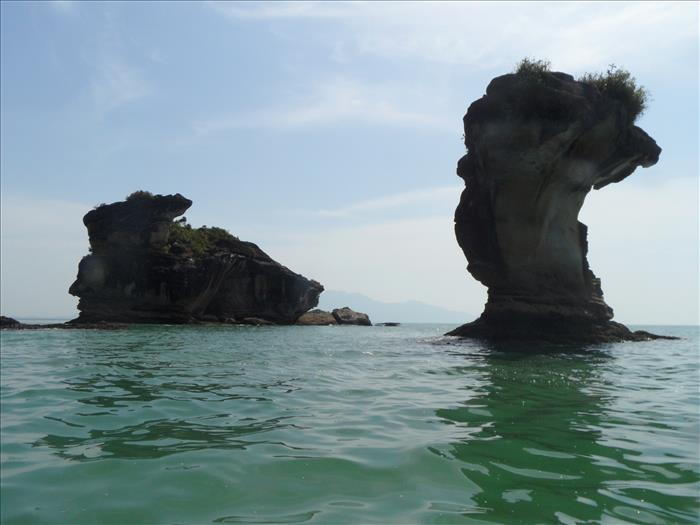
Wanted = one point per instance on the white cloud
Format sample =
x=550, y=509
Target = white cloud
x=573, y=35
x=116, y=83
x=63, y=6
x=442, y=194
x=113, y=81
x=155, y=56
x=443, y=42
x=267, y=10
x=334, y=101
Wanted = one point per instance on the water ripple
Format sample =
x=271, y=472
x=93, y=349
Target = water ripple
x=344, y=425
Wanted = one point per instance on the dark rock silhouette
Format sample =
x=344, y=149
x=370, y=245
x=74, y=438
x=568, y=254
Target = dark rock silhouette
x=8, y=323
x=145, y=268
x=347, y=316
x=343, y=315
x=316, y=318
x=536, y=145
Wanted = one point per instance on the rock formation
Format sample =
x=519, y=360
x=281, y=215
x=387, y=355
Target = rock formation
x=343, y=315
x=347, y=316
x=8, y=323
x=537, y=144
x=317, y=318
x=145, y=268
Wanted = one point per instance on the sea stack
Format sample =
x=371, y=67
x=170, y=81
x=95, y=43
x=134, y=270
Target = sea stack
x=538, y=142
x=145, y=268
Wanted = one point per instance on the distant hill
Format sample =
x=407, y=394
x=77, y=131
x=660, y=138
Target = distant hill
x=405, y=312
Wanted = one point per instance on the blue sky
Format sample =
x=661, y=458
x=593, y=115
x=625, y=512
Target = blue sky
x=328, y=133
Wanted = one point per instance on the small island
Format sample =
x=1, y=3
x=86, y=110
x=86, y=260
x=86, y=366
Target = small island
x=145, y=267
x=538, y=141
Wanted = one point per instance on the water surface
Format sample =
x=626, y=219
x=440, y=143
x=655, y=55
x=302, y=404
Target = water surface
x=180, y=424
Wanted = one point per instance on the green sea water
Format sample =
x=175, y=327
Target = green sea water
x=223, y=424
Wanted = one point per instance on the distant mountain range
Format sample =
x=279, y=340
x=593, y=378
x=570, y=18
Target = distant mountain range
x=405, y=312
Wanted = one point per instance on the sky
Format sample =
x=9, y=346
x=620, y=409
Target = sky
x=328, y=133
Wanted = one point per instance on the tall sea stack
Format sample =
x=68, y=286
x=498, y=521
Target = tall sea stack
x=537, y=142
x=145, y=268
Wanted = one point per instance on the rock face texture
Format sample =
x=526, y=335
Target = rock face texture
x=343, y=315
x=347, y=316
x=536, y=147
x=145, y=268
x=317, y=318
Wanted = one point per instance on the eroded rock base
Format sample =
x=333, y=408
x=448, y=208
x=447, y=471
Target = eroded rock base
x=549, y=330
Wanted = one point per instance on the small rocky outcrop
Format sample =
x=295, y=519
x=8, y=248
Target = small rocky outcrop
x=347, y=316
x=8, y=323
x=145, y=268
x=537, y=144
x=316, y=318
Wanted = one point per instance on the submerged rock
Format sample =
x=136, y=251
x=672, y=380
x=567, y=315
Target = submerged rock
x=145, y=268
x=536, y=145
x=316, y=318
x=347, y=316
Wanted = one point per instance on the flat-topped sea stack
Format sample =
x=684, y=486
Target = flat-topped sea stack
x=145, y=268
x=537, y=143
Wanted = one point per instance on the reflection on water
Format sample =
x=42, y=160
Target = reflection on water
x=343, y=425
x=291, y=518
x=159, y=438
x=539, y=448
x=150, y=385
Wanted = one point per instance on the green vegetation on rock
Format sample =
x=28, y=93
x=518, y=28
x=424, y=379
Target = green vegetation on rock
x=139, y=195
x=200, y=240
x=616, y=84
x=532, y=68
x=620, y=85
